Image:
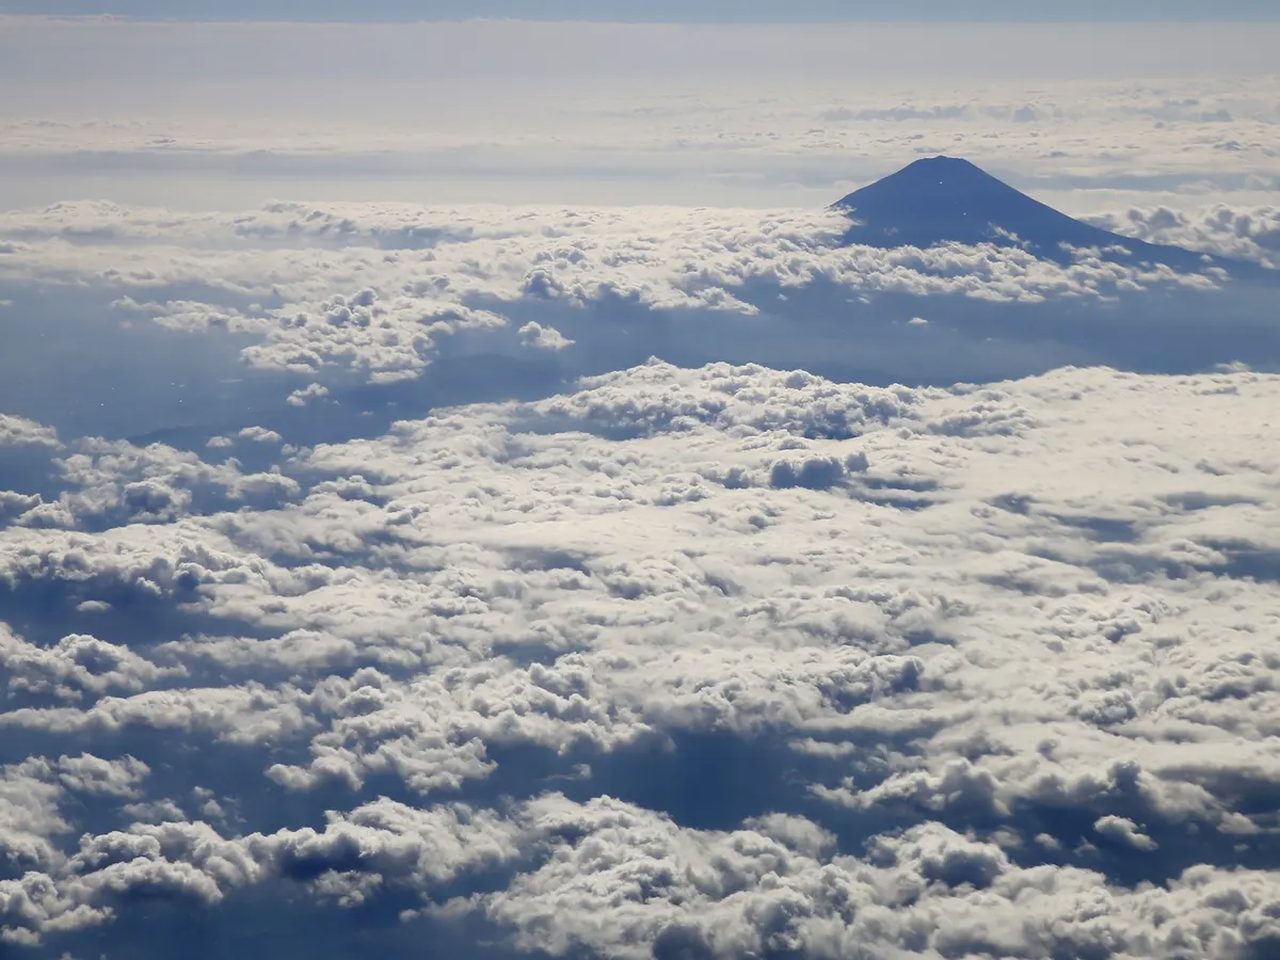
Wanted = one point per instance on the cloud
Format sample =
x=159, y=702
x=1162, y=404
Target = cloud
x=1243, y=233
x=379, y=845
x=259, y=435
x=624, y=113
x=626, y=882
x=987, y=652
x=19, y=431
x=1125, y=831
x=108, y=482
x=534, y=334
x=308, y=394
x=75, y=666
x=380, y=291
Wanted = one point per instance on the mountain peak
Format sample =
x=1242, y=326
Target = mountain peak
x=944, y=199
x=942, y=162
x=948, y=199
x=950, y=173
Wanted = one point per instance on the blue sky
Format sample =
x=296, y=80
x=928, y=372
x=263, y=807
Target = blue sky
x=663, y=10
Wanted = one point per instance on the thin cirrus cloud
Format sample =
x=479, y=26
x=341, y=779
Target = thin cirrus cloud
x=233, y=114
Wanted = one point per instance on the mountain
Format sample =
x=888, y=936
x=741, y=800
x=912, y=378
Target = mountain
x=946, y=199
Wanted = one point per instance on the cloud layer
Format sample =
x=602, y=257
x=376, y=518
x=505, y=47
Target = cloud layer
x=683, y=662
x=725, y=114
x=376, y=292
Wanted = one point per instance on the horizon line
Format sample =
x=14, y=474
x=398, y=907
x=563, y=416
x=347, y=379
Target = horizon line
x=376, y=20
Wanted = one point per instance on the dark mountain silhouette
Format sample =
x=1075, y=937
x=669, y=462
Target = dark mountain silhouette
x=945, y=199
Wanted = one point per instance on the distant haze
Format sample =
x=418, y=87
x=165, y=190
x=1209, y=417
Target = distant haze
x=234, y=114
x=665, y=10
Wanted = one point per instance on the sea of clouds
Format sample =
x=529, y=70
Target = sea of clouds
x=390, y=575
x=709, y=660
x=715, y=662
x=374, y=291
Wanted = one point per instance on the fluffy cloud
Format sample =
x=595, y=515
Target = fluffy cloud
x=379, y=845
x=19, y=431
x=534, y=334
x=620, y=881
x=1246, y=234
x=311, y=393
x=75, y=665
x=110, y=482
x=377, y=291
x=996, y=654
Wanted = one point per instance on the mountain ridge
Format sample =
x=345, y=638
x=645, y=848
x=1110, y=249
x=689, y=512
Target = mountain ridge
x=941, y=199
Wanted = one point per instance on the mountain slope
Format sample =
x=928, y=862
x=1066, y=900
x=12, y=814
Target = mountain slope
x=945, y=199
